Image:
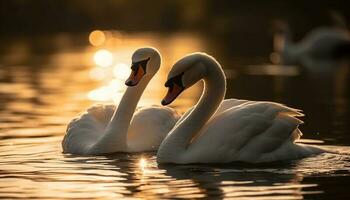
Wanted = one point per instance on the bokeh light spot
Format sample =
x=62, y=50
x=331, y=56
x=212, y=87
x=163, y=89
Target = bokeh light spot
x=97, y=38
x=103, y=58
x=121, y=71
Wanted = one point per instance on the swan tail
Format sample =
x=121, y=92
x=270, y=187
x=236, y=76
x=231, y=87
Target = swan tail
x=296, y=135
x=282, y=129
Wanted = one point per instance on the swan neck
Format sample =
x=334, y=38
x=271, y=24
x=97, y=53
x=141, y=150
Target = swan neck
x=213, y=94
x=282, y=41
x=289, y=51
x=115, y=137
x=211, y=98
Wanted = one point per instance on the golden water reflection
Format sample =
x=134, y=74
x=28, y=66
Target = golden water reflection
x=38, y=100
x=111, y=67
x=97, y=38
x=103, y=58
x=121, y=71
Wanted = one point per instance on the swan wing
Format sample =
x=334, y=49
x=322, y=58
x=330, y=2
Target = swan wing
x=248, y=132
x=226, y=104
x=84, y=130
x=149, y=127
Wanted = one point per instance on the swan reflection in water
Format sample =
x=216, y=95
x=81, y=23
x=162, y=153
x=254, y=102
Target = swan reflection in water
x=138, y=175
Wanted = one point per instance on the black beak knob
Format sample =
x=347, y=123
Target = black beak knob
x=129, y=83
x=164, y=102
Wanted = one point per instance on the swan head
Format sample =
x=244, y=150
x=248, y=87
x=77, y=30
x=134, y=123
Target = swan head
x=185, y=73
x=145, y=62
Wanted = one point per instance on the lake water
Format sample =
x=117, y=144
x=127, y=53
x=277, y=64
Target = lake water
x=41, y=90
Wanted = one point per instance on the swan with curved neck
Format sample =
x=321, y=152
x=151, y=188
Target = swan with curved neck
x=217, y=131
x=323, y=44
x=107, y=129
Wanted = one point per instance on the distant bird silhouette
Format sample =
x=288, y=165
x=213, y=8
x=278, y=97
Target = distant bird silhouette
x=322, y=44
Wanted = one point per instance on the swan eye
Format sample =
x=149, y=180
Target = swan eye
x=175, y=80
x=142, y=63
x=138, y=71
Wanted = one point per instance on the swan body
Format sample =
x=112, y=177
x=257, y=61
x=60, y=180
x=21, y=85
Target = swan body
x=149, y=127
x=108, y=128
x=223, y=131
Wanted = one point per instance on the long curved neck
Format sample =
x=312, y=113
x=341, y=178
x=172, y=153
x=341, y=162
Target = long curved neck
x=115, y=136
x=286, y=48
x=179, y=138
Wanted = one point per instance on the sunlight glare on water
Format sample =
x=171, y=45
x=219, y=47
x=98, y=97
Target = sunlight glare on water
x=121, y=71
x=39, y=99
x=103, y=58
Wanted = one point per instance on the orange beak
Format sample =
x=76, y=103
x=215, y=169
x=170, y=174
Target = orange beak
x=173, y=92
x=135, y=76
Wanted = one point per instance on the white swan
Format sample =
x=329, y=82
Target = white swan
x=323, y=44
x=105, y=129
x=217, y=131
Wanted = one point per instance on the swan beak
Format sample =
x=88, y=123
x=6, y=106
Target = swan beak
x=135, y=76
x=173, y=92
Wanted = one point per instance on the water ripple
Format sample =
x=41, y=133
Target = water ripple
x=37, y=102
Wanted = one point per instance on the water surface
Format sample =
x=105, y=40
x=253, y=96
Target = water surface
x=40, y=92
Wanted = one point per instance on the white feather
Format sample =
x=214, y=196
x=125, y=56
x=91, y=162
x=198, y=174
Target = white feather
x=147, y=129
x=107, y=129
x=222, y=131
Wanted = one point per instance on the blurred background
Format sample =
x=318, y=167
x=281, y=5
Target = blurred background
x=244, y=28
